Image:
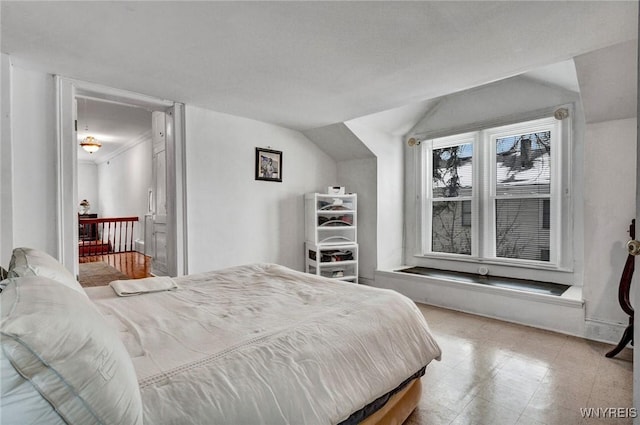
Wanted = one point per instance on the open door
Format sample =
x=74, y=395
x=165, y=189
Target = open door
x=170, y=218
x=164, y=217
x=157, y=220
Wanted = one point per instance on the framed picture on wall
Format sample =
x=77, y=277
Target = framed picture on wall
x=268, y=165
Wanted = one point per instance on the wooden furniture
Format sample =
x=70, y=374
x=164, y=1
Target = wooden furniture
x=87, y=232
x=623, y=296
x=331, y=247
x=399, y=407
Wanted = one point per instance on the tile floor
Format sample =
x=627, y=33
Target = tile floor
x=498, y=373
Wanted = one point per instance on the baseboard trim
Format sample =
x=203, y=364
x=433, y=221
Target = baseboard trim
x=602, y=331
x=366, y=281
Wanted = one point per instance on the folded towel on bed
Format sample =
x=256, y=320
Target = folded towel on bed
x=126, y=288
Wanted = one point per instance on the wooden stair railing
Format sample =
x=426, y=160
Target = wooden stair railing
x=105, y=235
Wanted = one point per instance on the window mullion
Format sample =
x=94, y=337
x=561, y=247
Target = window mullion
x=556, y=197
x=487, y=186
x=426, y=195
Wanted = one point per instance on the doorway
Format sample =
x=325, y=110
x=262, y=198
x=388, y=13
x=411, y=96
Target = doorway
x=114, y=143
x=67, y=92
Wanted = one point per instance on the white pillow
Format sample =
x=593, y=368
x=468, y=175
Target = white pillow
x=20, y=402
x=73, y=360
x=32, y=262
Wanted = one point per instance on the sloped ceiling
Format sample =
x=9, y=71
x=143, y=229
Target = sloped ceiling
x=609, y=82
x=337, y=141
x=306, y=65
x=511, y=97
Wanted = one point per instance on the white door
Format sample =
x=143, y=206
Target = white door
x=158, y=196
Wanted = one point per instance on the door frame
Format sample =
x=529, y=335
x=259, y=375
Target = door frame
x=67, y=168
x=635, y=294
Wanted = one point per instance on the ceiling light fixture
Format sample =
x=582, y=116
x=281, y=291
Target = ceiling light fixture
x=90, y=144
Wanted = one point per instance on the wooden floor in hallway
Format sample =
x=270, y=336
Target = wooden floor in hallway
x=133, y=264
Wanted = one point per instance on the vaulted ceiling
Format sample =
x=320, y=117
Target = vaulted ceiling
x=306, y=65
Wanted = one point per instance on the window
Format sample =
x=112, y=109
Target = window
x=495, y=194
x=451, y=190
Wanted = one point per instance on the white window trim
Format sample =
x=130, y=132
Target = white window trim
x=561, y=210
x=426, y=148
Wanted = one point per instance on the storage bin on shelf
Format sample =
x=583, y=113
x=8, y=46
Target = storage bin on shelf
x=331, y=218
x=331, y=247
x=338, y=261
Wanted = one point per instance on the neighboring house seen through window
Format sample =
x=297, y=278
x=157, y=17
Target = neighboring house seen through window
x=495, y=194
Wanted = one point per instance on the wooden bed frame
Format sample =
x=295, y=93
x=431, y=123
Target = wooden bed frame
x=399, y=406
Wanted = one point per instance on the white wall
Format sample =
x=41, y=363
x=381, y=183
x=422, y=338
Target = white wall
x=360, y=176
x=6, y=178
x=390, y=191
x=30, y=202
x=234, y=219
x=32, y=144
x=123, y=184
x=609, y=207
x=88, y=184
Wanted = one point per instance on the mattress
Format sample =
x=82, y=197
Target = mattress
x=263, y=344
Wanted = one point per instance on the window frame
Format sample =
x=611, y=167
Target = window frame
x=483, y=209
x=427, y=148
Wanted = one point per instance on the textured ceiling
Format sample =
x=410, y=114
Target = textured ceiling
x=306, y=65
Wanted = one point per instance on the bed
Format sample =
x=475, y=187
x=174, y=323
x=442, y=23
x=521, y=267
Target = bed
x=253, y=344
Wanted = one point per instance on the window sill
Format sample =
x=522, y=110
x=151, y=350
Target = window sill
x=496, y=262
x=514, y=270
x=526, y=285
x=572, y=297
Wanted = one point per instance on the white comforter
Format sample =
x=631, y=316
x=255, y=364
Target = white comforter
x=263, y=344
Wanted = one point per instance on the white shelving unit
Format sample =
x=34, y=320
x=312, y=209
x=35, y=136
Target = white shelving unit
x=331, y=248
